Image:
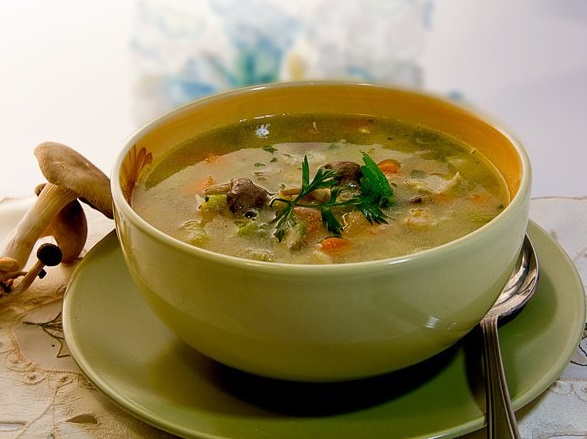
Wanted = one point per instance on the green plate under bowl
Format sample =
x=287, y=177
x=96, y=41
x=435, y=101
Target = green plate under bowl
x=130, y=356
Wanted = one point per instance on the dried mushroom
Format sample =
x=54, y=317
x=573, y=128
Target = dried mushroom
x=47, y=255
x=56, y=211
x=242, y=195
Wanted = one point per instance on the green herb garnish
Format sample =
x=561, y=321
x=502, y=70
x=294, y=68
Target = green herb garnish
x=324, y=178
x=268, y=148
x=374, y=194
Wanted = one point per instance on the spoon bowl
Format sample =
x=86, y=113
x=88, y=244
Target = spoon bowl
x=501, y=420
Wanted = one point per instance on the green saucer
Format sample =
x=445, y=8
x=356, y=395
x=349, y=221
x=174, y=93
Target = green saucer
x=131, y=357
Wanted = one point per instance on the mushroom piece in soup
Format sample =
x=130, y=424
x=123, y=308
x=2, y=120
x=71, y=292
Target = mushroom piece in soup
x=316, y=190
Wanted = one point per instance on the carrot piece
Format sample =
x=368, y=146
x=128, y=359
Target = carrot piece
x=333, y=244
x=389, y=166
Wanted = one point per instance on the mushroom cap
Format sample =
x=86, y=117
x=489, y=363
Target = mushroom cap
x=65, y=167
x=8, y=264
x=49, y=254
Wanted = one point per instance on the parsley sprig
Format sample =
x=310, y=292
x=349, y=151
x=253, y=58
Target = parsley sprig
x=375, y=194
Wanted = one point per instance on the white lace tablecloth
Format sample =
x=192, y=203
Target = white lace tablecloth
x=44, y=395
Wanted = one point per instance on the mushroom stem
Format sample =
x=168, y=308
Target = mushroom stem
x=48, y=255
x=48, y=204
x=8, y=264
x=321, y=195
x=70, y=231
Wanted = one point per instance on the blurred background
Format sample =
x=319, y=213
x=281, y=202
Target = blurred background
x=88, y=74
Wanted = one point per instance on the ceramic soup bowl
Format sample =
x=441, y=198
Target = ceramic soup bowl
x=321, y=322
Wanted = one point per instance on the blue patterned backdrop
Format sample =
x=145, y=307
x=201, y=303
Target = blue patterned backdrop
x=186, y=49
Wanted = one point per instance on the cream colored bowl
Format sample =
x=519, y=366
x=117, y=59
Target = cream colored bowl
x=321, y=322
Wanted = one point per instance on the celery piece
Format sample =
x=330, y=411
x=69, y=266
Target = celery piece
x=253, y=229
x=214, y=204
x=195, y=232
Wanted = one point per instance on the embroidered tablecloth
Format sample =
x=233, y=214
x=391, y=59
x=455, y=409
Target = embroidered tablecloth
x=44, y=395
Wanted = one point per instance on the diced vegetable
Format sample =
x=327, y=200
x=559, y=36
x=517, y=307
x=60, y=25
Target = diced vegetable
x=420, y=219
x=333, y=244
x=389, y=166
x=253, y=229
x=310, y=217
x=195, y=232
x=214, y=203
x=295, y=237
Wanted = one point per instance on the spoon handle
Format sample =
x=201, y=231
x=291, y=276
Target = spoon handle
x=501, y=421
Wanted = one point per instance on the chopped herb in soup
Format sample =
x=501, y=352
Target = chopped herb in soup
x=320, y=190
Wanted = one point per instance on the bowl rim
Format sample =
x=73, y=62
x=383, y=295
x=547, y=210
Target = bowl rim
x=121, y=204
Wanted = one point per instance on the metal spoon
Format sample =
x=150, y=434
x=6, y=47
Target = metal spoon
x=501, y=421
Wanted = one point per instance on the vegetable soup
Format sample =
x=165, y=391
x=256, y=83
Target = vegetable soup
x=320, y=190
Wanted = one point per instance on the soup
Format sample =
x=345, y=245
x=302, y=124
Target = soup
x=320, y=190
